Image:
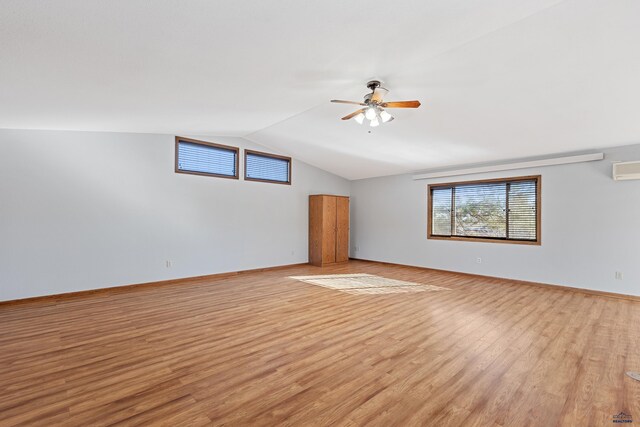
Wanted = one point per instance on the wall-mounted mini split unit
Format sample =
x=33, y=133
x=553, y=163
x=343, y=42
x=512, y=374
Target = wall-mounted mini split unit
x=626, y=170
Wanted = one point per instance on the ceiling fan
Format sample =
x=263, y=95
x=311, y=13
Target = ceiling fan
x=374, y=107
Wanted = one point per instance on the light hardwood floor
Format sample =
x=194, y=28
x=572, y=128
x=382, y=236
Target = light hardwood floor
x=262, y=349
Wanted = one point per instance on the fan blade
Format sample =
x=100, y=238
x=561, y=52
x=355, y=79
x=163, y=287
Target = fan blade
x=378, y=94
x=355, y=113
x=347, y=102
x=401, y=104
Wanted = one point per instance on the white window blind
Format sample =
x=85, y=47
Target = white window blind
x=206, y=159
x=502, y=210
x=264, y=167
x=441, y=211
x=523, y=215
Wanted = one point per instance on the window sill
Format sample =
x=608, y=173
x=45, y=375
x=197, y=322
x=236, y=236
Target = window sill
x=480, y=239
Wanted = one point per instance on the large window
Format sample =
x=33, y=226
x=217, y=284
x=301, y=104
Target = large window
x=266, y=167
x=206, y=158
x=500, y=210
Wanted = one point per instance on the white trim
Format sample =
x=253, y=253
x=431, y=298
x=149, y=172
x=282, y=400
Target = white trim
x=510, y=166
x=633, y=173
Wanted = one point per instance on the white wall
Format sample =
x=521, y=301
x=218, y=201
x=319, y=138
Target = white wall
x=590, y=228
x=85, y=210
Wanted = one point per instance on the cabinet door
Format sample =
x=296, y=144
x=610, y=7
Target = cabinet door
x=342, y=229
x=315, y=230
x=328, y=230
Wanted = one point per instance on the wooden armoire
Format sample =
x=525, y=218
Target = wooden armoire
x=328, y=229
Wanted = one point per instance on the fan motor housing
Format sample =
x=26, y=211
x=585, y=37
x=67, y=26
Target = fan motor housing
x=373, y=84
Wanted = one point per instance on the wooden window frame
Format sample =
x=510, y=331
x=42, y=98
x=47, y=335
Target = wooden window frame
x=537, y=242
x=273, y=156
x=210, y=144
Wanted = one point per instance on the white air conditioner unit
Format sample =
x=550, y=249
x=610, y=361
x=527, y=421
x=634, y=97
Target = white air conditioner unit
x=626, y=170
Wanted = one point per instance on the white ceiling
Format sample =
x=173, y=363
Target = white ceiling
x=498, y=79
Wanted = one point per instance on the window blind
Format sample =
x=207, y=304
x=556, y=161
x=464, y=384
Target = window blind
x=441, y=211
x=502, y=210
x=523, y=210
x=207, y=159
x=263, y=167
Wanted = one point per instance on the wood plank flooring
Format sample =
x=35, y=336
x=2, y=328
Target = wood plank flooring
x=263, y=349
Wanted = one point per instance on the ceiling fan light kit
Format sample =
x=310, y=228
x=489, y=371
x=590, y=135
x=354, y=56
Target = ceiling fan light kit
x=371, y=113
x=374, y=109
x=385, y=117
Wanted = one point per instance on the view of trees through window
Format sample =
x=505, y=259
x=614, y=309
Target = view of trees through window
x=480, y=210
x=498, y=210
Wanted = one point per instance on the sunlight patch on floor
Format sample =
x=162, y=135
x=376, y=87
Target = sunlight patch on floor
x=359, y=284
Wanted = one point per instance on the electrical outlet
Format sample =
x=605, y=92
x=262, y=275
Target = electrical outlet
x=479, y=260
x=619, y=275
x=168, y=264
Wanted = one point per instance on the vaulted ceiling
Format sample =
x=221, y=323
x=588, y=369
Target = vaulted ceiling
x=498, y=79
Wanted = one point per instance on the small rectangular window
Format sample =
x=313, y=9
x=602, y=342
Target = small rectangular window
x=266, y=167
x=496, y=210
x=206, y=158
